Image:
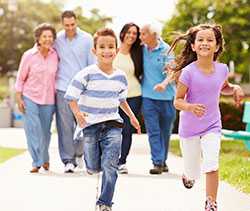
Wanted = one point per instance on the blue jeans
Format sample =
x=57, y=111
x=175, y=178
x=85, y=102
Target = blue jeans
x=159, y=116
x=37, y=124
x=102, y=145
x=66, y=124
x=128, y=130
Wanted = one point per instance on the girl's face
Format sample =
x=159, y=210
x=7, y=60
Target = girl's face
x=205, y=43
x=46, y=39
x=130, y=36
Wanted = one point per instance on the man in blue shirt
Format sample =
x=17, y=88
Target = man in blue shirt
x=74, y=50
x=157, y=96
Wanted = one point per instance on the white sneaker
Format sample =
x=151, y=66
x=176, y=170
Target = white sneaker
x=69, y=168
x=104, y=207
x=79, y=162
x=122, y=169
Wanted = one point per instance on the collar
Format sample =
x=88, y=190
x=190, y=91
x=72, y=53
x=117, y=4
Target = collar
x=77, y=32
x=159, y=45
x=35, y=50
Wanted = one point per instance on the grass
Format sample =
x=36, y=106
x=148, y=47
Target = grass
x=7, y=153
x=234, y=163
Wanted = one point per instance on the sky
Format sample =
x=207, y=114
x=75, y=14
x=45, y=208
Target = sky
x=124, y=11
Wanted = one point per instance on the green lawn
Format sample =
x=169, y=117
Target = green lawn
x=7, y=153
x=234, y=163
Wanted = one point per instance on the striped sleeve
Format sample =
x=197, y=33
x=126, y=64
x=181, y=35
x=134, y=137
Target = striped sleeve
x=124, y=90
x=77, y=86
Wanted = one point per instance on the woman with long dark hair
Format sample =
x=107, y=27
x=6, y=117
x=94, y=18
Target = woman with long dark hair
x=129, y=59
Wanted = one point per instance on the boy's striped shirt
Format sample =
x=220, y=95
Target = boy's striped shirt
x=98, y=94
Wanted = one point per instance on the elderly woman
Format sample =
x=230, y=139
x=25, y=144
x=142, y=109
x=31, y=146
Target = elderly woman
x=35, y=94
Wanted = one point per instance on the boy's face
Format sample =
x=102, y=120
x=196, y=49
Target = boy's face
x=105, y=50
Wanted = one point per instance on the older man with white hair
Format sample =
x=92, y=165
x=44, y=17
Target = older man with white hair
x=157, y=96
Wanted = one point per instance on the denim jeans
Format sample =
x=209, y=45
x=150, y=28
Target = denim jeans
x=128, y=130
x=102, y=145
x=159, y=116
x=37, y=124
x=66, y=124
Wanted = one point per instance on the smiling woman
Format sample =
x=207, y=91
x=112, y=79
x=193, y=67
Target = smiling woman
x=35, y=94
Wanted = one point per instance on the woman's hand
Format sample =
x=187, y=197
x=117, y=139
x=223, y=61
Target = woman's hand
x=20, y=102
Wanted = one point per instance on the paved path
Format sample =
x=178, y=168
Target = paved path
x=137, y=191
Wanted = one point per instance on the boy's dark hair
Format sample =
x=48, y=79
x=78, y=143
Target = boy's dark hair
x=68, y=14
x=187, y=55
x=41, y=28
x=104, y=32
x=135, y=50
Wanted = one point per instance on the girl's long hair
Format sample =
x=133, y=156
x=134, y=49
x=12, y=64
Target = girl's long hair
x=135, y=50
x=187, y=55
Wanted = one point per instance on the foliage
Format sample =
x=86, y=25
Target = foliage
x=234, y=163
x=18, y=26
x=7, y=153
x=235, y=26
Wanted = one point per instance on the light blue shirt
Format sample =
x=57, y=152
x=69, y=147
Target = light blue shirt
x=153, y=63
x=74, y=55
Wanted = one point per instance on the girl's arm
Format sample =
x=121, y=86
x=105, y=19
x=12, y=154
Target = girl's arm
x=181, y=104
x=233, y=89
x=125, y=107
x=80, y=117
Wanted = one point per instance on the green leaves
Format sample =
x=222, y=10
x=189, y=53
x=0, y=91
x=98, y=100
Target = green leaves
x=233, y=15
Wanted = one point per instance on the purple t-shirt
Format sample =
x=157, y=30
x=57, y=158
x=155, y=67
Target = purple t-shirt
x=203, y=89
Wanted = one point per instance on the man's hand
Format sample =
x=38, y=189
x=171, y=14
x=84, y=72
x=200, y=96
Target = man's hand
x=160, y=87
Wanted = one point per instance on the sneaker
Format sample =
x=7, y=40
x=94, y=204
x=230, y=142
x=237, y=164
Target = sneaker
x=165, y=168
x=104, y=207
x=187, y=183
x=79, y=162
x=157, y=169
x=69, y=168
x=210, y=205
x=122, y=169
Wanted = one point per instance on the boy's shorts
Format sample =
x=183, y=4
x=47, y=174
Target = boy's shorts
x=194, y=148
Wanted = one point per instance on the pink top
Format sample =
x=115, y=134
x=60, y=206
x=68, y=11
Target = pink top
x=36, y=76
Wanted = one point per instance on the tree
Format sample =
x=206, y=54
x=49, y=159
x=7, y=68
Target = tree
x=17, y=27
x=232, y=15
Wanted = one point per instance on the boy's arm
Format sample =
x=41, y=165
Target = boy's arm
x=133, y=120
x=80, y=116
x=233, y=89
x=181, y=104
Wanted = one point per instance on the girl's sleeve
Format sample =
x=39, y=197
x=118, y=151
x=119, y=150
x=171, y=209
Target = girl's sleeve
x=185, y=77
x=226, y=71
x=23, y=72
